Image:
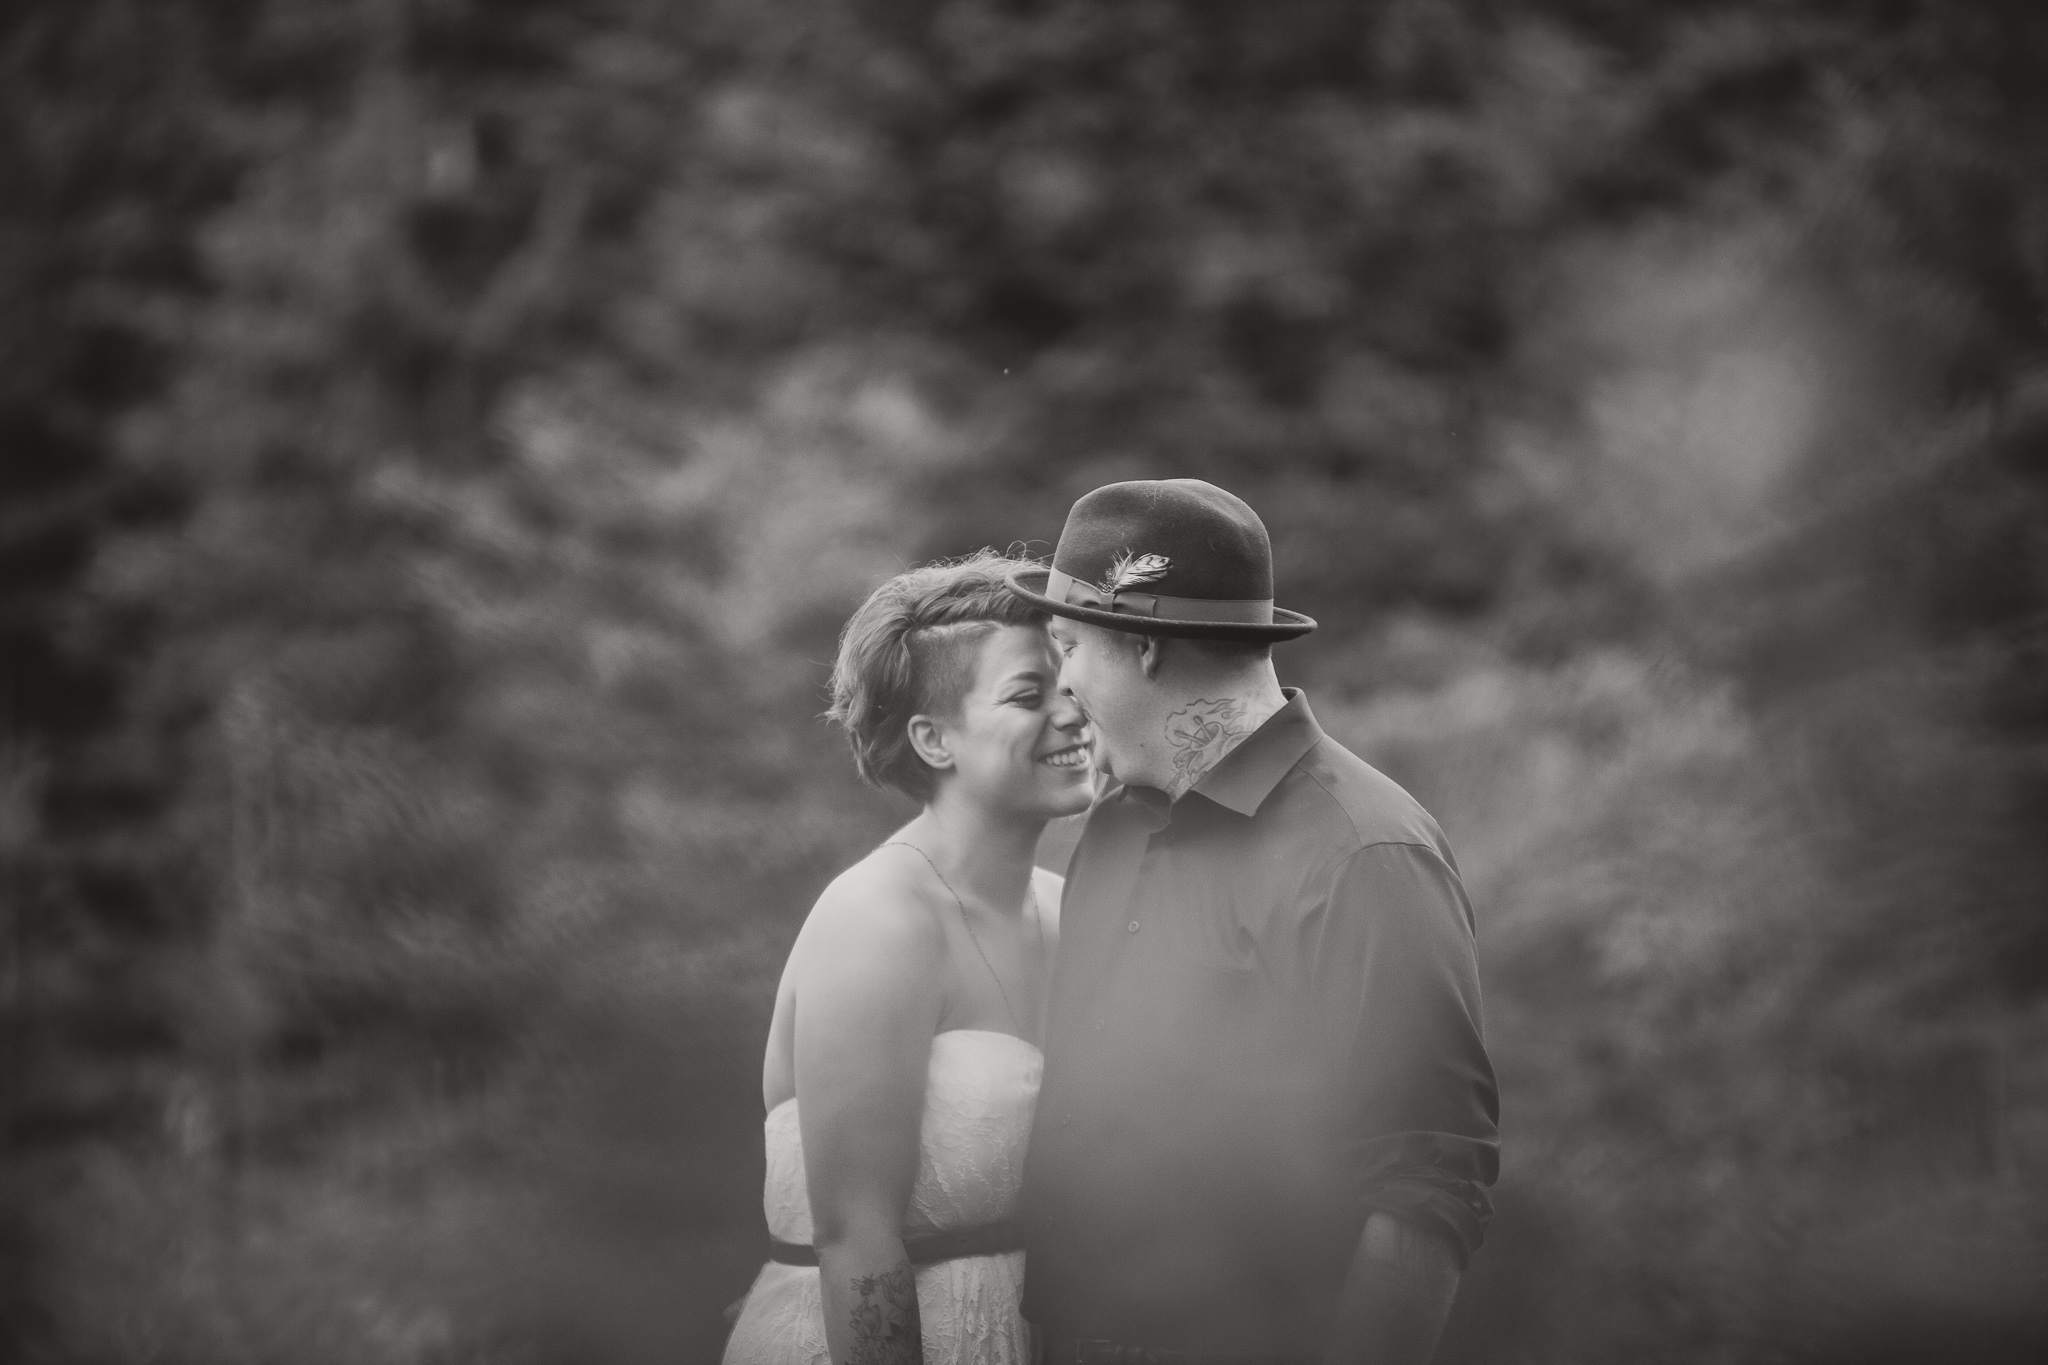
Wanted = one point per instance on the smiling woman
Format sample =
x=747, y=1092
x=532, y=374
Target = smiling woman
x=914, y=649
x=903, y=1060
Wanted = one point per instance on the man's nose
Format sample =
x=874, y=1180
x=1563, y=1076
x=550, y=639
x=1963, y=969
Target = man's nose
x=1066, y=712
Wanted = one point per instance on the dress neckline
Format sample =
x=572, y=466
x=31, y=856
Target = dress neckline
x=992, y=1033
x=944, y=1032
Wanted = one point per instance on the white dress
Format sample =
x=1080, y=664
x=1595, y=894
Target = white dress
x=980, y=1089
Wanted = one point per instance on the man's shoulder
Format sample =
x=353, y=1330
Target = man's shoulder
x=1360, y=804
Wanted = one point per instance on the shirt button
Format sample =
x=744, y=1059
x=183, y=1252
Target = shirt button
x=1131, y=928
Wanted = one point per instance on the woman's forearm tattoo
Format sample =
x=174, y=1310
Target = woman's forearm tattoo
x=886, y=1330
x=1201, y=733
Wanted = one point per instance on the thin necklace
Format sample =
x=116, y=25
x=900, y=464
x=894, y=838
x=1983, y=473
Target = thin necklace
x=1030, y=900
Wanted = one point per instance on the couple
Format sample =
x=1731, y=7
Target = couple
x=1219, y=1096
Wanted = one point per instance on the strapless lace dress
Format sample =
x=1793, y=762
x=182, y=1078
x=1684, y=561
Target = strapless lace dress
x=979, y=1092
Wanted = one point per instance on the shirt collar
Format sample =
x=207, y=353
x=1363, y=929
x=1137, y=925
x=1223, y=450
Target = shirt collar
x=1247, y=774
x=1153, y=808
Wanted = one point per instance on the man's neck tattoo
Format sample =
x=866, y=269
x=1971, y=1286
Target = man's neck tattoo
x=1200, y=734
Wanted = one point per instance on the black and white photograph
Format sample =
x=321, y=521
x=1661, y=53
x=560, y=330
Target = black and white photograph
x=1023, y=682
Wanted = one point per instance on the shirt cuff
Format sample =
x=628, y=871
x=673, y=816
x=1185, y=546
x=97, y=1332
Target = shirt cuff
x=1434, y=1201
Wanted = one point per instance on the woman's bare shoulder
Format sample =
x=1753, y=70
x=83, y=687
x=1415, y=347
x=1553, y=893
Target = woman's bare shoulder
x=879, y=905
x=872, y=949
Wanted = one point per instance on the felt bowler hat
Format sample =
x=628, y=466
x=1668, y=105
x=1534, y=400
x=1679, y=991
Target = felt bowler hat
x=1164, y=557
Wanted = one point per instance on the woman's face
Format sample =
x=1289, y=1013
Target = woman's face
x=1016, y=744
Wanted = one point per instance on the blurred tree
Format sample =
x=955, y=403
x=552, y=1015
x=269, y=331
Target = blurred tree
x=108, y=170
x=445, y=437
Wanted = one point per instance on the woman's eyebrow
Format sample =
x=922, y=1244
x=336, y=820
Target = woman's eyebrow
x=1036, y=675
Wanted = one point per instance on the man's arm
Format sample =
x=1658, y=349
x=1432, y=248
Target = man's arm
x=1396, y=1297
x=1397, y=982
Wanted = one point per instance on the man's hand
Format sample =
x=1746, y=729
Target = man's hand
x=1396, y=1297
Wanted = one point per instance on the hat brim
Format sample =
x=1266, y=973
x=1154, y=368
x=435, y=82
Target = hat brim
x=1029, y=584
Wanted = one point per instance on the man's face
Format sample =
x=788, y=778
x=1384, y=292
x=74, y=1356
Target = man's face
x=1100, y=670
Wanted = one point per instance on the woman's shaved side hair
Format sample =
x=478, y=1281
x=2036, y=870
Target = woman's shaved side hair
x=910, y=650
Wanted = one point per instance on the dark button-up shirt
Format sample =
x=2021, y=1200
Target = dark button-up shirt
x=1265, y=1025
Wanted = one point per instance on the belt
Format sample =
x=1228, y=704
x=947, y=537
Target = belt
x=990, y=1239
x=1099, y=1352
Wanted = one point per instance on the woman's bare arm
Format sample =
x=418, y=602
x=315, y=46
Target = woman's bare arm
x=871, y=974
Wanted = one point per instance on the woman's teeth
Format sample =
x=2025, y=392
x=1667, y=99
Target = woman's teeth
x=1066, y=758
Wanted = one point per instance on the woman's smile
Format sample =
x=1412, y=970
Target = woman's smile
x=1073, y=756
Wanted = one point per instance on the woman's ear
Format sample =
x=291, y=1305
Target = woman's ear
x=1151, y=654
x=928, y=742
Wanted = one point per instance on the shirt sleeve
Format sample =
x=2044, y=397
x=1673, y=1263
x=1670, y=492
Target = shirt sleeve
x=1395, y=980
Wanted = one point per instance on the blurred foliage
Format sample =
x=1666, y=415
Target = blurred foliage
x=443, y=437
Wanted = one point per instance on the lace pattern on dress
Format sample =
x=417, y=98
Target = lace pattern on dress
x=980, y=1090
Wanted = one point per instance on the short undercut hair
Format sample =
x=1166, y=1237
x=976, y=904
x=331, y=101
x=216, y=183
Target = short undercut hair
x=910, y=650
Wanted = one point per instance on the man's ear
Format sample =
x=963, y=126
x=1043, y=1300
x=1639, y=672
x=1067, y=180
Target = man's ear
x=928, y=741
x=1151, y=655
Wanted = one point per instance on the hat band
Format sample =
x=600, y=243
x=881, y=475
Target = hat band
x=1065, y=588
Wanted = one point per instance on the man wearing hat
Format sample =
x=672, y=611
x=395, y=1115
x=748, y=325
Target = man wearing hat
x=1267, y=1121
